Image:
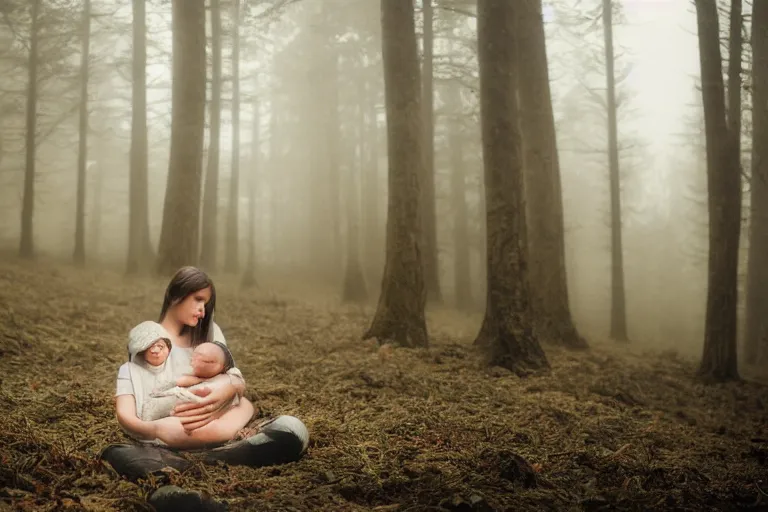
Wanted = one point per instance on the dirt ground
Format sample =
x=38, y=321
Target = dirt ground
x=391, y=430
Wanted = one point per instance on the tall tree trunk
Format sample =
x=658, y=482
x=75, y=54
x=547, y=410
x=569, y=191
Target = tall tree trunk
x=756, y=335
x=400, y=313
x=209, y=250
x=461, y=267
x=355, y=289
x=507, y=332
x=249, y=278
x=26, y=245
x=275, y=157
x=482, y=241
x=140, y=252
x=233, y=215
x=82, y=150
x=429, y=226
x=735, y=44
x=724, y=181
x=333, y=185
x=97, y=212
x=733, y=99
x=546, y=233
x=319, y=130
x=181, y=214
x=370, y=184
x=618, y=301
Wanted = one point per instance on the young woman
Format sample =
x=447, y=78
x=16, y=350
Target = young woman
x=187, y=315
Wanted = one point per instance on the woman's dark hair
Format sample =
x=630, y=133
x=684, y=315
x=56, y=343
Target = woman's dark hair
x=186, y=281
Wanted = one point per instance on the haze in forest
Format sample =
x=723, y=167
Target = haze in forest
x=314, y=174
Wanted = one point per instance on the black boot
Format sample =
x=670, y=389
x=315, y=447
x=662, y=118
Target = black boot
x=171, y=498
x=140, y=461
x=281, y=441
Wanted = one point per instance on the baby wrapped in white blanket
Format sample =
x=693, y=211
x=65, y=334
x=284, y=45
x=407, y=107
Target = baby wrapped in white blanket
x=156, y=393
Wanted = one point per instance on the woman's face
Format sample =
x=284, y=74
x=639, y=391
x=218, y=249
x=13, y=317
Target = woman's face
x=192, y=308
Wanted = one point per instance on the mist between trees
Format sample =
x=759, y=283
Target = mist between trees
x=289, y=145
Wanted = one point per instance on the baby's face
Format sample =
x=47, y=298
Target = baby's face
x=207, y=360
x=157, y=353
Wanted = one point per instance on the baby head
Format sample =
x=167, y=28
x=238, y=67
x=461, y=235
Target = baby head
x=158, y=352
x=150, y=341
x=210, y=358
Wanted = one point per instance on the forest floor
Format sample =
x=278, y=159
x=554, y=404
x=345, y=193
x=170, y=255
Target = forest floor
x=391, y=430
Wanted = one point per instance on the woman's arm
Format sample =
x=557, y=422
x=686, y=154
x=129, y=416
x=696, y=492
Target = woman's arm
x=237, y=380
x=224, y=429
x=171, y=431
x=186, y=381
x=125, y=406
x=194, y=415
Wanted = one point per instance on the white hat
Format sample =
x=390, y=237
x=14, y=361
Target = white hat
x=145, y=335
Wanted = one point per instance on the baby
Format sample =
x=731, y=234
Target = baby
x=209, y=359
x=155, y=392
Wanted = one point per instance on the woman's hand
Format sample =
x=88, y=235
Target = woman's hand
x=194, y=415
x=170, y=431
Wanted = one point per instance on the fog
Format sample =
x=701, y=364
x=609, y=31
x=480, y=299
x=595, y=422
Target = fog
x=467, y=254
x=319, y=171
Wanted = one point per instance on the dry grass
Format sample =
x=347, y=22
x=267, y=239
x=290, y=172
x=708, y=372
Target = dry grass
x=401, y=429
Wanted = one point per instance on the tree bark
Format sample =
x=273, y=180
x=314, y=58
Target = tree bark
x=546, y=233
x=429, y=221
x=618, y=300
x=82, y=150
x=26, y=244
x=719, y=361
x=209, y=250
x=400, y=313
x=756, y=335
x=140, y=252
x=179, y=233
x=507, y=332
x=481, y=242
x=233, y=216
x=735, y=44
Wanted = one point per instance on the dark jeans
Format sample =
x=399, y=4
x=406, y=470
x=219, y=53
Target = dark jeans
x=282, y=440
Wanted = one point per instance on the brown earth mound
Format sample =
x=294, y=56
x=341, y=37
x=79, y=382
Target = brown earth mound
x=391, y=429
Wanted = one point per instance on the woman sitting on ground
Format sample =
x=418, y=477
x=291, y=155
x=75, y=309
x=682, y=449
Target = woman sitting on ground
x=187, y=316
x=149, y=380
